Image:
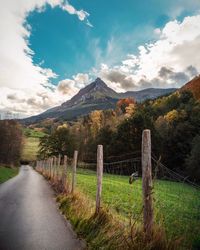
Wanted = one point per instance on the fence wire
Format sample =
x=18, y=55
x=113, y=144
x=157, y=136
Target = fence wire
x=176, y=199
x=176, y=204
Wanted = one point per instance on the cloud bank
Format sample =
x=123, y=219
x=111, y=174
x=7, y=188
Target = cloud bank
x=24, y=86
x=170, y=61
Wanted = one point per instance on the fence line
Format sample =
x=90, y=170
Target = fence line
x=105, y=182
x=174, y=175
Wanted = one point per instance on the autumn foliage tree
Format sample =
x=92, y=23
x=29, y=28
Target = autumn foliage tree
x=193, y=86
x=174, y=121
x=122, y=104
x=11, y=142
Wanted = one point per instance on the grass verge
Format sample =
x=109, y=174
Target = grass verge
x=119, y=225
x=6, y=173
x=106, y=230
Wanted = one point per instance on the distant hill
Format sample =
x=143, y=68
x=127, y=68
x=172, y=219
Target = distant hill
x=95, y=96
x=193, y=86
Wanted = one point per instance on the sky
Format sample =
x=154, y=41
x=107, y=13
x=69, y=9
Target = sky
x=49, y=49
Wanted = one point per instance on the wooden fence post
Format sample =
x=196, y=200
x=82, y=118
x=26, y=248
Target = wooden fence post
x=51, y=167
x=54, y=168
x=58, y=167
x=48, y=166
x=64, y=173
x=74, y=170
x=99, y=177
x=147, y=183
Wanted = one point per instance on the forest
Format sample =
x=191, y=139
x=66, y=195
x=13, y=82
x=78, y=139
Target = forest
x=174, y=121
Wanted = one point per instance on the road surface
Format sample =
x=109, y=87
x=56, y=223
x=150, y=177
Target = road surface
x=29, y=217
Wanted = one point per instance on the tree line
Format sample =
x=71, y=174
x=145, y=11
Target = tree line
x=174, y=121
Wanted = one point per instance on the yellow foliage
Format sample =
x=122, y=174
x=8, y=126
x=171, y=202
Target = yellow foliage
x=171, y=115
x=130, y=109
x=62, y=126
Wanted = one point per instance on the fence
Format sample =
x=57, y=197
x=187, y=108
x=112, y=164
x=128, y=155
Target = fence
x=139, y=189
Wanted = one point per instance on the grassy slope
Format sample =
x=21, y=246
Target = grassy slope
x=176, y=205
x=7, y=173
x=30, y=148
x=31, y=143
x=28, y=132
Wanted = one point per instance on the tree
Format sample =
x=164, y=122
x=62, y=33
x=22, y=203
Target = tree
x=59, y=142
x=11, y=142
x=105, y=137
x=129, y=132
x=122, y=104
x=193, y=160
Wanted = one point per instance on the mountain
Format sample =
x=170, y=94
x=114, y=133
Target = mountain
x=96, y=90
x=95, y=96
x=193, y=86
x=149, y=93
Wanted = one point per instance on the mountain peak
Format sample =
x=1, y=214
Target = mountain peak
x=96, y=95
x=98, y=79
x=99, y=82
x=94, y=91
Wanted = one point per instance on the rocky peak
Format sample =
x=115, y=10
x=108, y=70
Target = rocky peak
x=99, y=83
x=95, y=90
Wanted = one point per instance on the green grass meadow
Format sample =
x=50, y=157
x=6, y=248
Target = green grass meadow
x=176, y=205
x=28, y=132
x=31, y=144
x=30, y=148
x=7, y=173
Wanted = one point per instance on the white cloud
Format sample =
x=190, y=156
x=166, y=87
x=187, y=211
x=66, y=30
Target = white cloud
x=175, y=50
x=19, y=76
x=71, y=86
x=81, y=14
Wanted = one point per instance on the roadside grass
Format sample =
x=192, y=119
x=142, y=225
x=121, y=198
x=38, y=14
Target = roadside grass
x=105, y=230
x=108, y=229
x=177, y=205
x=6, y=173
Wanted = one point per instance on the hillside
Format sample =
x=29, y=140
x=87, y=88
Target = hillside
x=194, y=87
x=95, y=96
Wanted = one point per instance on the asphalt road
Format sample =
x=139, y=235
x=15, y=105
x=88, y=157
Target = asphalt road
x=29, y=217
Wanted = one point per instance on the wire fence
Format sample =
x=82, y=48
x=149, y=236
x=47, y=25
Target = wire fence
x=176, y=204
x=121, y=187
x=176, y=200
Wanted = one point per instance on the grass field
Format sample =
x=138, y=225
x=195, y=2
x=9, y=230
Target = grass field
x=31, y=143
x=30, y=148
x=28, y=132
x=177, y=205
x=7, y=173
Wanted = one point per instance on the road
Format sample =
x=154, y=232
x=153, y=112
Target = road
x=29, y=217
